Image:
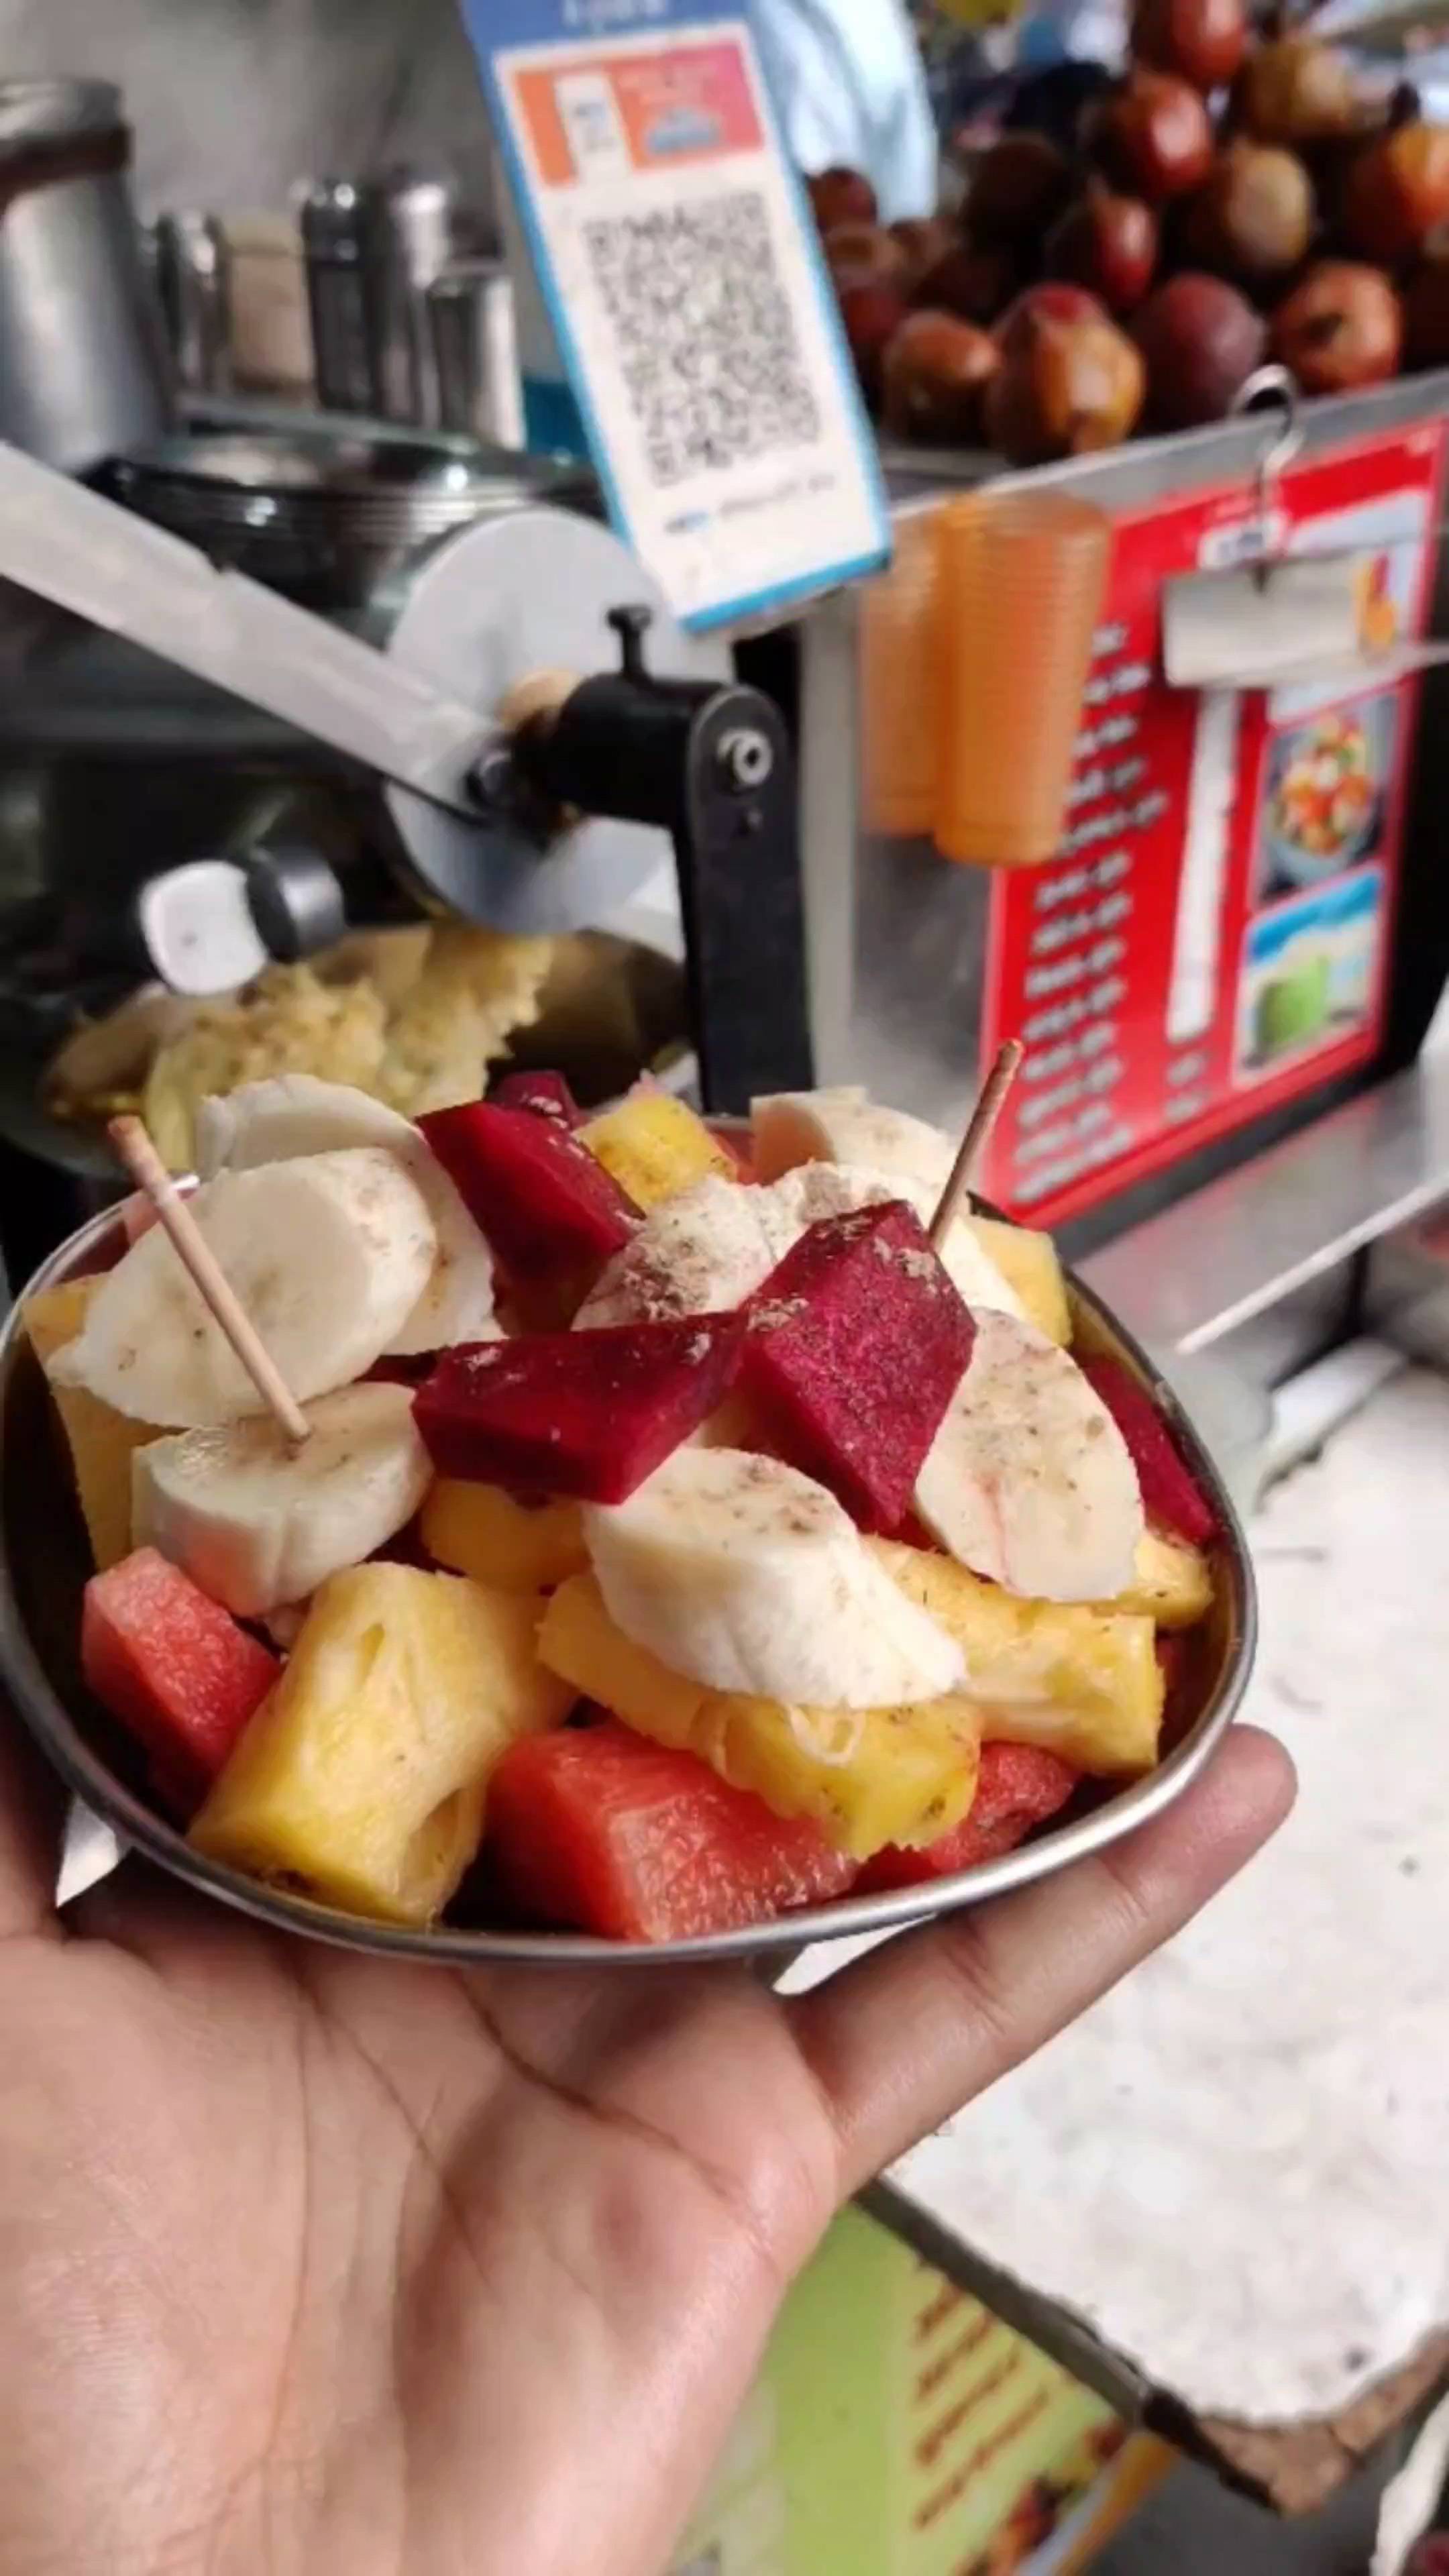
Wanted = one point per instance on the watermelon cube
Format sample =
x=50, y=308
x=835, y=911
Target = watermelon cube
x=588, y=1415
x=1019, y=1787
x=543, y=1095
x=597, y=1830
x=1171, y=1496
x=173, y=1666
x=550, y=1211
x=858, y=1341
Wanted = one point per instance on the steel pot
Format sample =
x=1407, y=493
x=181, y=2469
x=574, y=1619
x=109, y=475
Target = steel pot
x=84, y=369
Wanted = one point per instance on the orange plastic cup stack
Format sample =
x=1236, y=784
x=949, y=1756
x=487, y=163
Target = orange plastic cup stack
x=975, y=649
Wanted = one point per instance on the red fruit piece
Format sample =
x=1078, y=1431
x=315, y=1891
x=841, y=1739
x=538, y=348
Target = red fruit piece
x=585, y=1414
x=858, y=1341
x=1170, y=1494
x=598, y=1830
x=544, y=1095
x=173, y=1666
x=551, y=1212
x=1019, y=1788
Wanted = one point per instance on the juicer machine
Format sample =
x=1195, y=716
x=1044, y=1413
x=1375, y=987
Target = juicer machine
x=544, y=732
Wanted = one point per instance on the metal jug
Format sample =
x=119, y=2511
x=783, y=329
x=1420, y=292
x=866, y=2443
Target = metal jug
x=83, y=363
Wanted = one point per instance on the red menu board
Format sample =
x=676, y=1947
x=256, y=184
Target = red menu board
x=1213, y=937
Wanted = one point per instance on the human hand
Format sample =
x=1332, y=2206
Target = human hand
x=310, y=2262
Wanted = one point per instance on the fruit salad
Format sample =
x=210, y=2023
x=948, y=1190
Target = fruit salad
x=679, y=1537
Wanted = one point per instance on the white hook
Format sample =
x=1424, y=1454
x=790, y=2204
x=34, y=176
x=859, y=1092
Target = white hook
x=1282, y=447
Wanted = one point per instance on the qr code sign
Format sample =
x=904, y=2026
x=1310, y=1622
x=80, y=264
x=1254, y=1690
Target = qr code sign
x=704, y=333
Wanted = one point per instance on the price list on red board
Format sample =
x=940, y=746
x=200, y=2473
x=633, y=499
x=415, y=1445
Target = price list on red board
x=1213, y=936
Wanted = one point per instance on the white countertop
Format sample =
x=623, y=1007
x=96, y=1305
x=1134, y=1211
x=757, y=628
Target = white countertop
x=1237, y=2167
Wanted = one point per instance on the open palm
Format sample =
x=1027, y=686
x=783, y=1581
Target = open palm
x=313, y=2263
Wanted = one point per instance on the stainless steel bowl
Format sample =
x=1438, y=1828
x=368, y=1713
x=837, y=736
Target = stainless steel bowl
x=333, y=508
x=44, y=1562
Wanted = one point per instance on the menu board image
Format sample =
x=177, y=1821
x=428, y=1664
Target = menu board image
x=1326, y=795
x=1213, y=937
x=1310, y=973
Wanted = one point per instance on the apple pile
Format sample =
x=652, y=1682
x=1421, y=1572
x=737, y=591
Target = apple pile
x=1232, y=198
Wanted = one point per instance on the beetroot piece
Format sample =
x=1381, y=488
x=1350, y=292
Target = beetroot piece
x=1170, y=1495
x=584, y=1414
x=858, y=1341
x=543, y=1095
x=551, y=1212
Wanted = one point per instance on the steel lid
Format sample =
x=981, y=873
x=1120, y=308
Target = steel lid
x=37, y=112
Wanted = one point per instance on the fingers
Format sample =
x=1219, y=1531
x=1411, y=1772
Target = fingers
x=916, y=2029
x=31, y=1808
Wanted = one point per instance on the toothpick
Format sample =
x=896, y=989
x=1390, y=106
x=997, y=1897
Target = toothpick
x=149, y=1173
x=977, y=1137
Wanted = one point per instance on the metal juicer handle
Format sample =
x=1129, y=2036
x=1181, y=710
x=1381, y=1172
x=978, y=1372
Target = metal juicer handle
x=98, y=560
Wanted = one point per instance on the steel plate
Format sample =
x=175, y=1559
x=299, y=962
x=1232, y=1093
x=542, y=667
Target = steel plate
x=44, y=1562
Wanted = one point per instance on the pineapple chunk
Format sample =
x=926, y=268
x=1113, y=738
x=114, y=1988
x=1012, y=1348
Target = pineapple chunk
x=1080, y=1682
x=1172, y=1584
x=364, y=1773
x=101, y=1441
x=480, y=1530
x=1028, y=1262
x=891, y=1775
x=654, y=1146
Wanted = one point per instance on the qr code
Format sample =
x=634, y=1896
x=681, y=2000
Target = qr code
x=704, y=332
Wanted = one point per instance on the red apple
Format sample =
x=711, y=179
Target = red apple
x=1202, y=41
x=1153, y=137
x=1343, y=327
x=1054, y=302
x=1397, y=192
x=1295, y=90
x=1426, y=314
x=1065, y=388
x=975, y=284
x=872, y=311
x=1200, y=341
x=934, y=372
x=841, y=196
x=1253, y=215
x=1016, y=189
x=1107, y=244
x=924, y=239
x=855, y=252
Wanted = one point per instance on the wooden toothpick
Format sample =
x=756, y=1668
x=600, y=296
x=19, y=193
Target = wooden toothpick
x=978, y=1134
x=149, y=1173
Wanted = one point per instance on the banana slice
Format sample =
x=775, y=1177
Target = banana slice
x=257, y=1523
x=746, y=1576
x=328, y=1255
x=296, y=1115
x=793, y=1127
x=887, y=1152
x=702, y=1253
x=1028, y=1479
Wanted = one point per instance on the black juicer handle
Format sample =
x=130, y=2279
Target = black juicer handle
x=713, y=767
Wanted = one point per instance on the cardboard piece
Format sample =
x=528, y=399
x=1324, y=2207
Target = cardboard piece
x=897, y=2428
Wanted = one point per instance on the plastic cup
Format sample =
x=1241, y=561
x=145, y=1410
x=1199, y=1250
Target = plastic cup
x=899, y=745
x=1019, y=589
